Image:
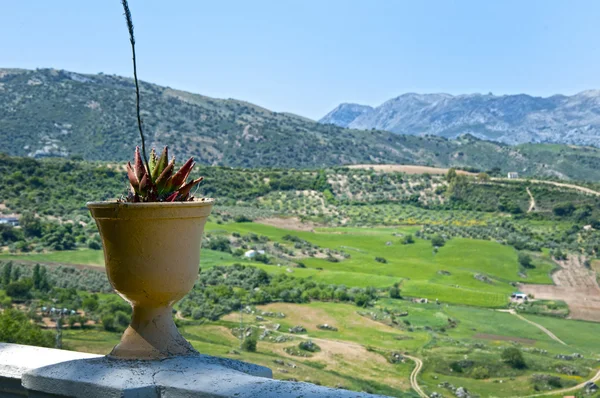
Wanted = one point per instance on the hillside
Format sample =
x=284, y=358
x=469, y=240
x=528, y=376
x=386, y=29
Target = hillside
x=49, y=112
x=381, y=268
x=511, y=119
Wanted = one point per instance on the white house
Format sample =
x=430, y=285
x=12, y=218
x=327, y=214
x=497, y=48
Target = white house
x=14, y=221
x=512, y=175
x=519, y=296
x=253, y=253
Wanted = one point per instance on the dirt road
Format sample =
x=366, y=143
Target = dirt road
x=415, y=373
x=574, y=284
x=567, y=390
x=556, y=184
x=531, y=201
x=537, y=325
x=403, y=168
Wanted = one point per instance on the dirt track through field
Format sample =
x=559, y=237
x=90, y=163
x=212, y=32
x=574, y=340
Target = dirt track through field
x=537, y=325
x=574, y=284
x=580, y=386
x=415, y=373
x=354, y=347
x=292, y=223
x=408, y=169
x=556, y=184
x=531, y=202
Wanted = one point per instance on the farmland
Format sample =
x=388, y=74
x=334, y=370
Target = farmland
x=397, y=264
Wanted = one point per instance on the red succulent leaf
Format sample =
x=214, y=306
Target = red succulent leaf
x=179, y=178
x=172, y=197
x=140, y=170
x=144, y=185
x=184, y=191
x=161, y=164
x=132, y=178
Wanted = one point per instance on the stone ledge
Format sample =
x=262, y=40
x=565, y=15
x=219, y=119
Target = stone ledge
x=45, y=372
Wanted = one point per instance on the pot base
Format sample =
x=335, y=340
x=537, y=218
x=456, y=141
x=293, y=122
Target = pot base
x=152, y=334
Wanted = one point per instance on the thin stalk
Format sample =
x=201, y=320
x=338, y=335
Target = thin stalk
x=137, y=86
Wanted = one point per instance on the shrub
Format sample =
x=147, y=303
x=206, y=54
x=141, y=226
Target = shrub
x=408, y=239
x=249, y=344
x=241, y=218
x=564, y=209
x=437, y=241
x=381, y=260
x=480, y=372
x=16, y=328
x=94, y=245
x=220, y=243
x=308, y=345
x=525, y=260
x=514, y=357
x=361, y=300
x=395, y=292
x=20, y=290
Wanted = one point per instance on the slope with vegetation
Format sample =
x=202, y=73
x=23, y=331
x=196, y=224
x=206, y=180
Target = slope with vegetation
x=386, y=267
x=50, y=112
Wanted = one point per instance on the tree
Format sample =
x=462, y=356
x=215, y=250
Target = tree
x=451, y=174
x=31, y=226
x=514, y=357
x=437, y=241
x=408, y=239
x=20, y=290
x=361, y=300
x=36, y=277
x=525, y=260
x=16, y=328
x=483, y=177
x=564, y=209
x=249, y=344
x=90, y=304
x=6, y=273
x=395, y=292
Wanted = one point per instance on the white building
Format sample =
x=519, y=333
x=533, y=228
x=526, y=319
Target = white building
x=512, y=175
x=253, y=253
x=14, y=221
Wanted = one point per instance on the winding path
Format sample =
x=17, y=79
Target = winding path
x=415, y=373
x=556, y=184
x=567, y=390
x=531, y=202
x=537, y=325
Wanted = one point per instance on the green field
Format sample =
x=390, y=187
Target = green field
x=466, y=281
x=415, y=265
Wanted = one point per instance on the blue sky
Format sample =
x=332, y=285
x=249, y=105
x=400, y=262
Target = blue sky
x=307, y=56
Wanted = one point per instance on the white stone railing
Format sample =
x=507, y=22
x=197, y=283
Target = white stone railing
x=36, y=372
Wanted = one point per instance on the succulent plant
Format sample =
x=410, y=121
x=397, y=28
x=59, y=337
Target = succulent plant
x=159, y=183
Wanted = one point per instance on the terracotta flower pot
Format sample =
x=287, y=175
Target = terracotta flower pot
x=152, y=256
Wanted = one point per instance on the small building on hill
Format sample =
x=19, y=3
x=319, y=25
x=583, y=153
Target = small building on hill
x=519, y=296
x=10, y=220
x=253, y=253
x=512, y=175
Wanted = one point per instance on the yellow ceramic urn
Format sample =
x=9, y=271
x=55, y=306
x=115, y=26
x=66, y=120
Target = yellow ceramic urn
x=152, y=256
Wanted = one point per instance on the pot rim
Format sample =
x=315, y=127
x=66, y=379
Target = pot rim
x=199, y=202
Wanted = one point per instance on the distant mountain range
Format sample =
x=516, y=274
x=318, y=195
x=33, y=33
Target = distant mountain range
x=50, y=112
x=511, y=119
